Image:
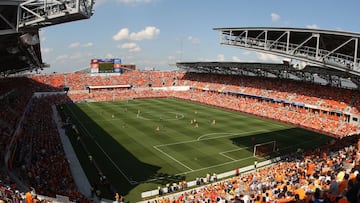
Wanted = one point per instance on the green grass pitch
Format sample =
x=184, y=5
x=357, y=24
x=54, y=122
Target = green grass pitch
x=140, y=144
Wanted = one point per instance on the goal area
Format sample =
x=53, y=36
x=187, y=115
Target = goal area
x=264, y=149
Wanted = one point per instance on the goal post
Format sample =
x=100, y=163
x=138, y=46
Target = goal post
x=264, y=149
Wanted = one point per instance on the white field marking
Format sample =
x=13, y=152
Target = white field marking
x=210, y=138
x=236, y=160
x=233, y=161
x=227, y=156
x=188, y=141
x=109, y=158
x=233, y=150
x=229, y=134
x=165, y=119
x=172, y=158
x=214, y=166
x=197, y=140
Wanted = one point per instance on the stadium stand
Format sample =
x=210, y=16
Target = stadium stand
x=26, y=123
x=326, y=174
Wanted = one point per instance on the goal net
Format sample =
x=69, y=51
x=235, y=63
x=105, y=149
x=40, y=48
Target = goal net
x=264, y=149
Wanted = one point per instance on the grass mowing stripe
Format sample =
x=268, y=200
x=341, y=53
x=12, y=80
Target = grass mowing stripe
x=137, y=129
x=133, y=148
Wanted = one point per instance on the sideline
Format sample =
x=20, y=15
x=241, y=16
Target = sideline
x=77, y=171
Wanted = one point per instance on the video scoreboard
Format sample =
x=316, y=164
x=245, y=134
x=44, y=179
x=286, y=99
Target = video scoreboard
x=105, y=65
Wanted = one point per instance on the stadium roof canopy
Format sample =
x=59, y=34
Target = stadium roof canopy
x=309, y=73
x=326, y=48
x=308, y=53
x=20, y=21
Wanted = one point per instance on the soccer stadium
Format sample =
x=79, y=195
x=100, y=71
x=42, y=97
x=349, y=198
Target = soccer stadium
x=207, y=132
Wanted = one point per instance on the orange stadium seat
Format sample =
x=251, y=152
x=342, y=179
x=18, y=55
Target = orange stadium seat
x=328, y=100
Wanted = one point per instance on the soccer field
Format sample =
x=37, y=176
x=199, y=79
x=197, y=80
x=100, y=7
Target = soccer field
x=140, y=144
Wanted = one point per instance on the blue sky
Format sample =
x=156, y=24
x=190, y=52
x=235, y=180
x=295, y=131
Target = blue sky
x=159, y=33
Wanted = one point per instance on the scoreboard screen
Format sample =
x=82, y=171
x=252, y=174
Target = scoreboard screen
x=105, y=65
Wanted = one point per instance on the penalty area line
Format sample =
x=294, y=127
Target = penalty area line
x=234, y=150
x=172, y=158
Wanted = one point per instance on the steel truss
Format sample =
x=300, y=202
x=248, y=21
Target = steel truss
x=41, y=13
x=333, y=49
x=333, y=77
x=20, y=21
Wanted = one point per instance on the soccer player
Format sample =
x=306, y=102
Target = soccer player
x=138, y=113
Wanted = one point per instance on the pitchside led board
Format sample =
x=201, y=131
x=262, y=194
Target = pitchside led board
x=105, y=66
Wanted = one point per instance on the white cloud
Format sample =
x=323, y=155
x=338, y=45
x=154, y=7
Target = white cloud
x=89, y=44
x=220, y=57
x=275, y=17
x=62, y=57
x=46, y=50
x=132, y=47
x=122, y=34
x=193, y=40
x=236, y=59
x=149, y=32
x=267, y=57
x=312, y=26
x=77, y=55
x=67, y=57
x=74, y=45
x=109, y=56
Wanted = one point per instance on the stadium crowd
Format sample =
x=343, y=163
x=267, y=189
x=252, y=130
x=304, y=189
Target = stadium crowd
x=329, y=173
x=38, y=159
